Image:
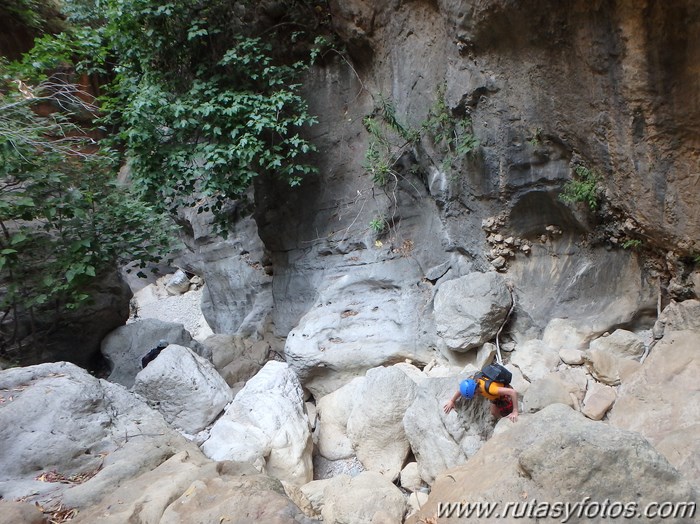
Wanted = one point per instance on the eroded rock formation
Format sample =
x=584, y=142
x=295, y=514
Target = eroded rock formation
x=541, y=90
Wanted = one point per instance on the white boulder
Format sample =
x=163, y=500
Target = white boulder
x=266, y=425
x=368, y=497
x=534, y=359
x=621, y=343
x=184, y=387
x=360, y=321
x=469, y=310
x=375, y=426
x=334, y=411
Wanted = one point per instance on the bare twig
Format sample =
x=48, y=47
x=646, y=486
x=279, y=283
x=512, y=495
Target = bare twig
x=362, y=85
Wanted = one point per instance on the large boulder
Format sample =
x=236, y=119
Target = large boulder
x=592, y=459
x=608, y=368
x=662, y=401
x=469, y=310
x=546, y=391
x=367, y=497
x=267, y=426
x=535, y=359
x=237, y=358
x=375, y=426
x=238, y=500
x=679, y=316
x=185, y=388
x=621, y=343
x=69, y=436
x=360, y=321
x=334, y=412
x=442, y=441
x=124, y=347
x=190, y=488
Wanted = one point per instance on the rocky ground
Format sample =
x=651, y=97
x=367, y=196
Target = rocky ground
x=154, y=301
x=153, y=445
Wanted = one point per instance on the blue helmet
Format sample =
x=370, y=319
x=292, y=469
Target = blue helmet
x=467, y=388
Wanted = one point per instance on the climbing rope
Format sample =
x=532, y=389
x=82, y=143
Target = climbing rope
x=499, y=359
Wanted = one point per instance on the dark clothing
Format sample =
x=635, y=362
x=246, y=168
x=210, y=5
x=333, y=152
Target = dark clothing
x=150, y=356
x=504, y=405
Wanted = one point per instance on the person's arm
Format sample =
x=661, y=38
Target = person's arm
x=451, y=403
x=514, y=399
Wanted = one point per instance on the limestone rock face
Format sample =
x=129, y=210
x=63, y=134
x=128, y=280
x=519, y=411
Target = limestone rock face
x=237, y=296
x=596, y=290
x=662, y=399
x=361, y=321
x=266, y=426
x=184, y=387
x=57, y=417
x=469, y=310
x=592, y=458
x=124, y=347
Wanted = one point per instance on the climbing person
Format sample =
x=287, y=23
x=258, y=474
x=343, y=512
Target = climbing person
x=493, y=383
x=153, y=353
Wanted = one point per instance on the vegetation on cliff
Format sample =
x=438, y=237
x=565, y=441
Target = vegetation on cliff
x=195, y=95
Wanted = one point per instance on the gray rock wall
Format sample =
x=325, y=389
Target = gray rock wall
x=545, y=88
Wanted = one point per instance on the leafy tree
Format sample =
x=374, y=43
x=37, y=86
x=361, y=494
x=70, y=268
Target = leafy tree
x=35, y=15
x=63, y=219
x=205, y=105
x=200, y=97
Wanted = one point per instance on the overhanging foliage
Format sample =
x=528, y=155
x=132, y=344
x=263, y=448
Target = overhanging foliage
x=203, y=103
x=195, y=94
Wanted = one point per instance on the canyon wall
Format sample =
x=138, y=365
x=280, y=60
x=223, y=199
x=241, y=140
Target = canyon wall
x=352, y=266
